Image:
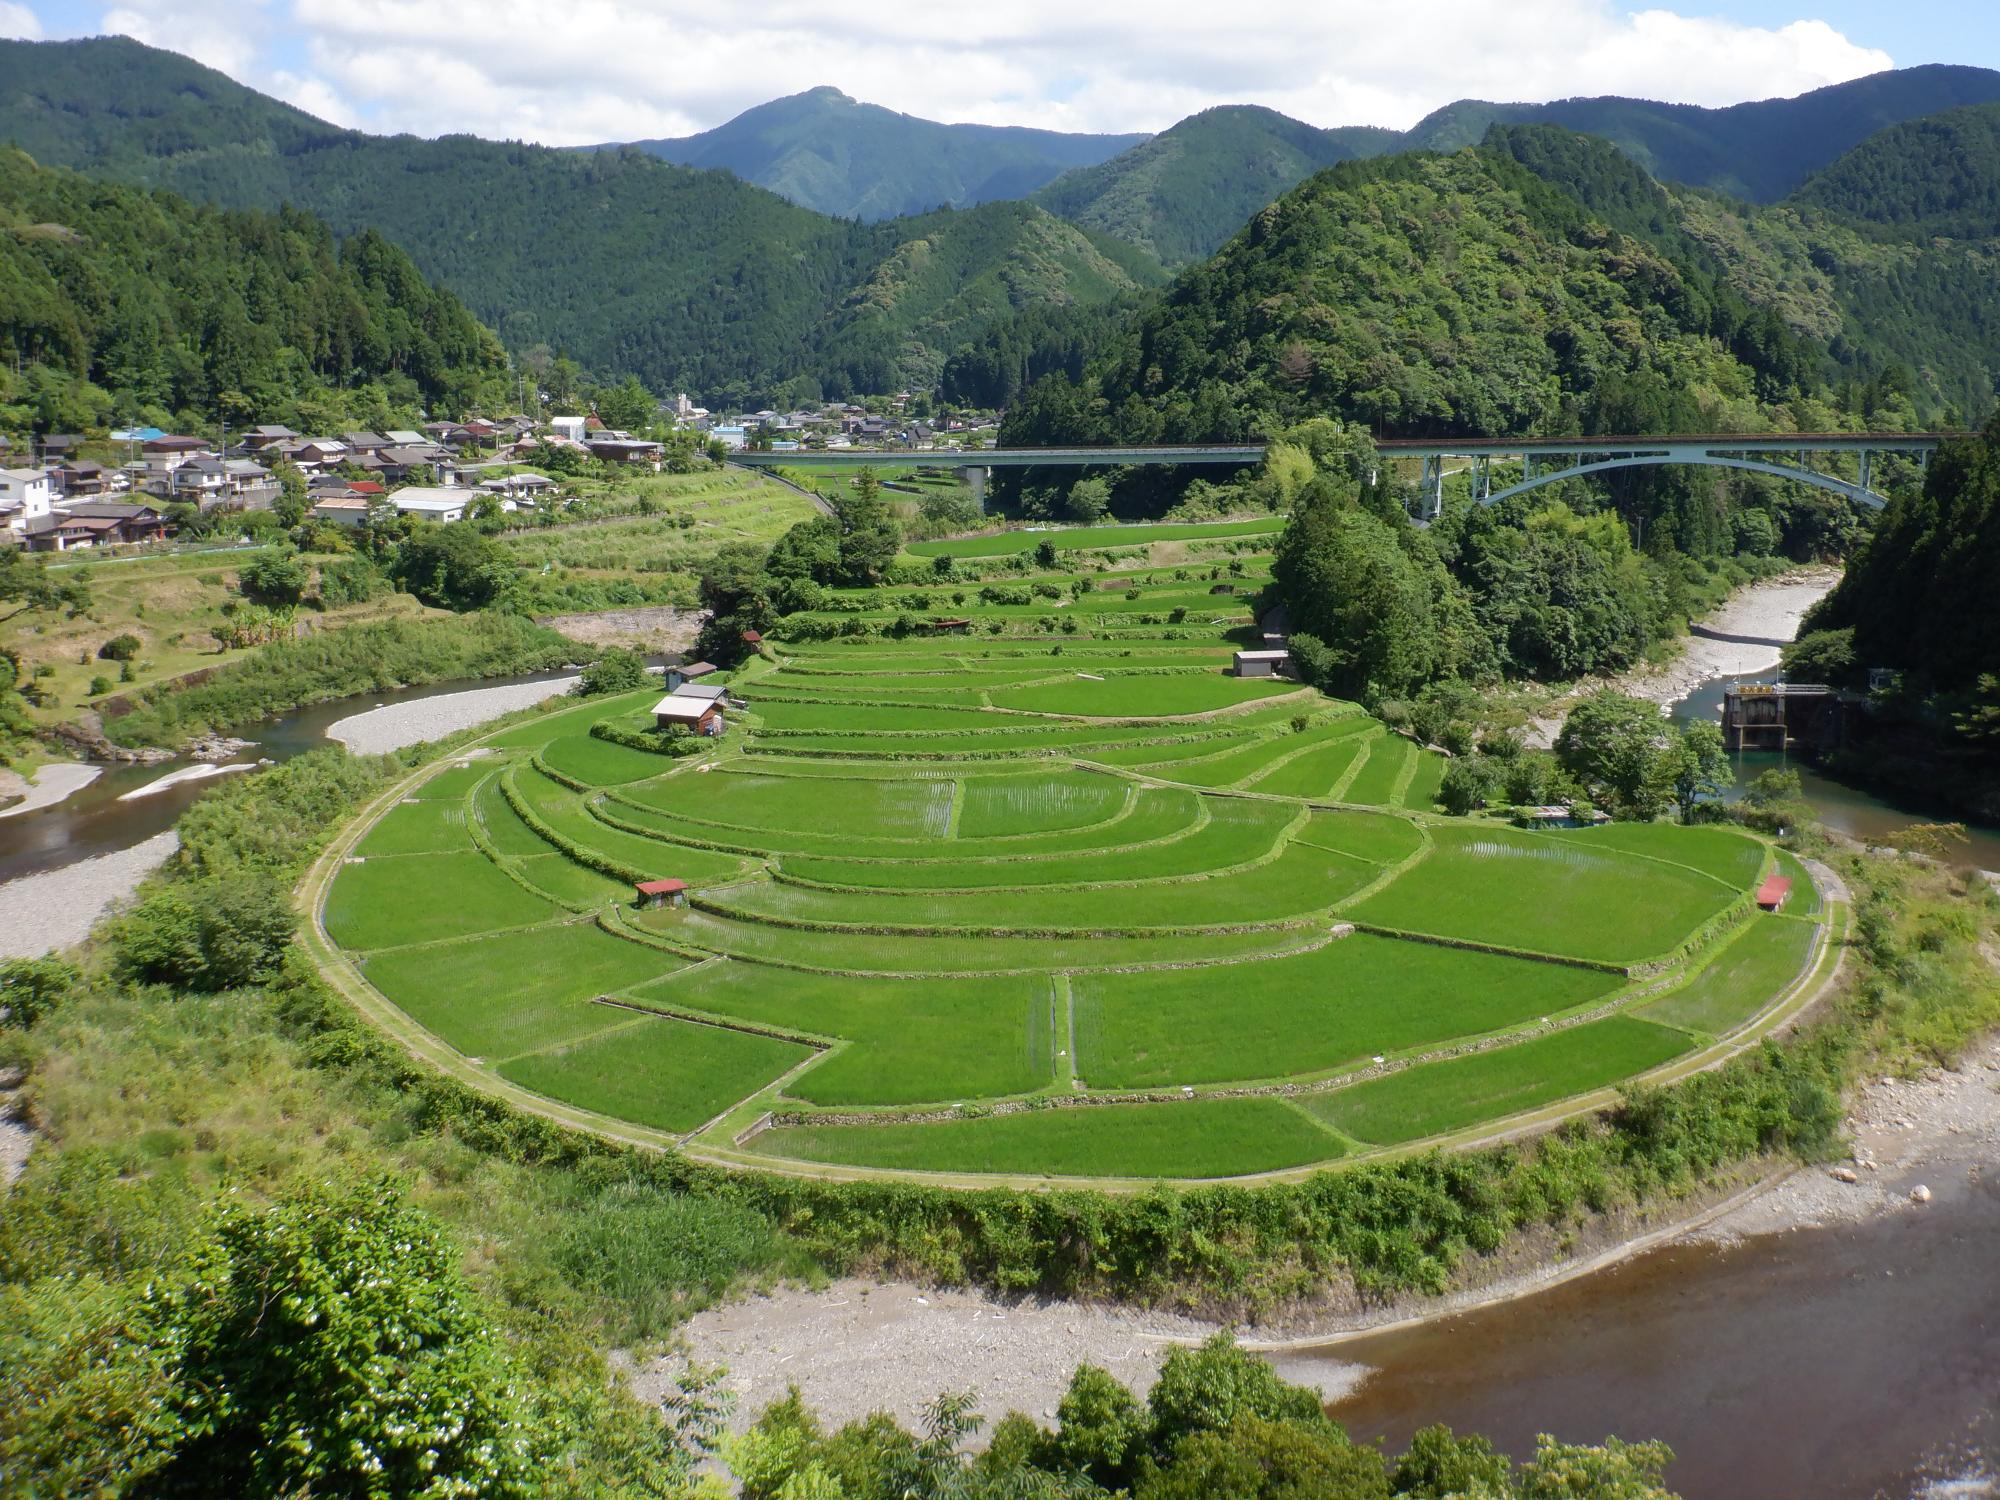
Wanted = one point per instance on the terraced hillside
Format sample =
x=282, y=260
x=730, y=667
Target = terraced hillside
x=1053, y=897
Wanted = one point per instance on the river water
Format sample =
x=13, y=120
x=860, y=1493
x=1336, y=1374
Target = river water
x=95, y=820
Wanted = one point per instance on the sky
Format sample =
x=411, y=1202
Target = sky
x=598, y=70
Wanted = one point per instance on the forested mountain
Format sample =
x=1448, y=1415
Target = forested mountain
x=825, y=151
x=1936, y=176
x=1421, y=294
x=1186, y=190
x=118, y=303
x=1758, y=151
x=690, y=279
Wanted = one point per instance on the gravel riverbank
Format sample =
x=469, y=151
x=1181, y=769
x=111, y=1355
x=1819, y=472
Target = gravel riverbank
x=1746, y=634
x=50, y=785
x=393, y=726
x=40, y=913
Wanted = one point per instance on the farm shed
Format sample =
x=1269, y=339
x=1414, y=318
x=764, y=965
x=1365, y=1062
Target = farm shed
x=1272, y=663
x=1773, y=893
x=699, y=714
x=702, y=692
x=662, y=892
x=694, y=669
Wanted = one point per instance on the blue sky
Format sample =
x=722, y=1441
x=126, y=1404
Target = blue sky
x=591, y=70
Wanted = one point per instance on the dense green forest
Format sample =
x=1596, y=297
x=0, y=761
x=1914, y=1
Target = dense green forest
x=118, y=304
x=1920, y=596
x=836, y=155
x=1185, y=191
x=691, y=280
x=1936, y=176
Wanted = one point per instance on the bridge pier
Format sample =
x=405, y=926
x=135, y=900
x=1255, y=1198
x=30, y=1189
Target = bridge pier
x=975, y=480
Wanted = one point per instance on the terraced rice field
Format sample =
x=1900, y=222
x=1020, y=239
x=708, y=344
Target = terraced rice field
x=1069, y=903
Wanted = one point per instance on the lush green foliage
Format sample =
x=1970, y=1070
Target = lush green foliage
x=122, y=303
x=339, y=664
x=1920, y=596
x=1939, y=175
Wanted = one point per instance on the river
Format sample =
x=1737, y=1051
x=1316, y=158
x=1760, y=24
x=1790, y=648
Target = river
x=97, y=821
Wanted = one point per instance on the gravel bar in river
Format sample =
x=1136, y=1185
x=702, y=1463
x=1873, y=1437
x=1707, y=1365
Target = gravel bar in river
x=395, y=725
x=40, y=913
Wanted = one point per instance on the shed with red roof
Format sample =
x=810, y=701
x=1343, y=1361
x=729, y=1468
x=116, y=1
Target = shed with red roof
x=1773, y=893
x=662, y=892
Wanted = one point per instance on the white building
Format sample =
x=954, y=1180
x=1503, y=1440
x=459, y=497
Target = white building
x=732, y=437
x=433, y=503
x=25, y=495
x=568, y=427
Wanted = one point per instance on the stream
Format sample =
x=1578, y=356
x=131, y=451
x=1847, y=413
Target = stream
x=95, y=821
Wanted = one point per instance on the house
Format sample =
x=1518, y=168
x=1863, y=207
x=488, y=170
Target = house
x=61, y=532
x=662, y=892
x=630, y=451
x=1773, y=893
x=1270, y=663
x=732, y=437
x=753, y=638
x=173, y=449
x=209, y=482
x=567, y=427
x=58, y=447
x=341, y=510
x=522, y=487
x=257, y=439
x=315, y=453
x=25, y=495
x=130, y=522
x=688, y=713
x=368, y=442
x=399, y=462
x=81, y=477
x=676, y=676
x=441, y=503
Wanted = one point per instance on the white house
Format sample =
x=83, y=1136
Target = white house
x=568, y=427
x=732, y=437
x=25, y=495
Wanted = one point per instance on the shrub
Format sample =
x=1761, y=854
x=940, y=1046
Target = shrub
x=30, y=987
x=212, y=934
x=617, y=671
x=350, y=580
x=274, y=580
x=120, y=648
x=99, y=686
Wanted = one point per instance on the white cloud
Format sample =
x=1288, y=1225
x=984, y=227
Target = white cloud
x=18, y=23
x=600, y=70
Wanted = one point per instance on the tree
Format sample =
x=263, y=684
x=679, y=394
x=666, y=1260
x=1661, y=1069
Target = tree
x=30, y=987
x=1100, y=1429
x=1205, y=1389
x=328, y=1345
x=1438, y=1466
x=1087, y=501
x=29, y=581
x=275, y=580
x=452, y=567
x=1255, y=1458
x=1613, y=1471
x=218, y=933
x=1821, y=656
x=1347, y=582
x=1699, y=766
x=294, y=496
x=1619, y=747
x=869, y=537
x=627, y=406
x=616, y=671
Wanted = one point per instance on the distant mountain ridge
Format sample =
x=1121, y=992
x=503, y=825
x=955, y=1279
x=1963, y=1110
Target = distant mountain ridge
x=825, y=151
x=694, y=280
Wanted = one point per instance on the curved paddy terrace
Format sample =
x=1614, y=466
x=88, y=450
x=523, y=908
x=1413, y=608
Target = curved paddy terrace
x=962, y=906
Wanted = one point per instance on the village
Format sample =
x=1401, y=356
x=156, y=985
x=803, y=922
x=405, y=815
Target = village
x=56, y=497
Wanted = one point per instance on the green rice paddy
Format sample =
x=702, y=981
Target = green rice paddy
x=938, y=890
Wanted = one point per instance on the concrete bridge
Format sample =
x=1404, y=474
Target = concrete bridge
x=1543, y=461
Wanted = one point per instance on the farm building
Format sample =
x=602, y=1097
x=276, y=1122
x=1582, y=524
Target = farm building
x=662, y=892
x=703, y=716
x=1273, y=663
x=703, y=692
x=678, y=675
x=1773, y=893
